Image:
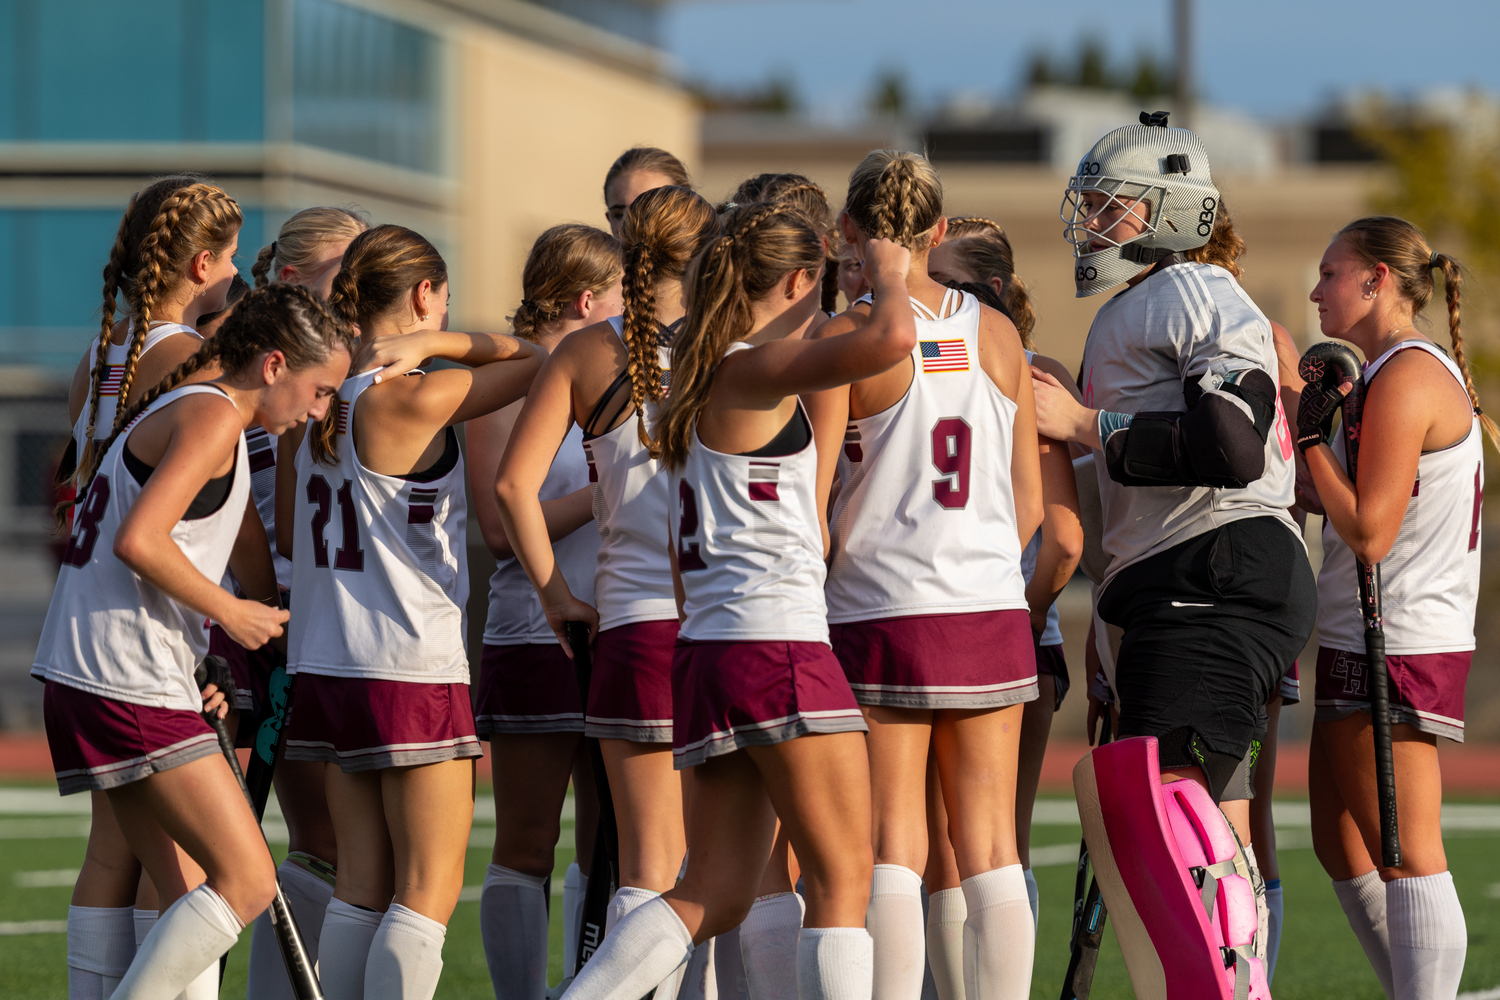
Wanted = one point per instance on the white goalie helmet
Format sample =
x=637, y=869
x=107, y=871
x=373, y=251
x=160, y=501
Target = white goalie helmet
x=1164, y=168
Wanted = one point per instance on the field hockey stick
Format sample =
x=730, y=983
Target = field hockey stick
x=269, y=734
x=1089, y=912
x=1332, y=365
x=604, y=867
x=299, y=967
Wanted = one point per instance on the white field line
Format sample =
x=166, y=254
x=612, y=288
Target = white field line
x=12, y=928
x=50, y=879
x=1489, y=994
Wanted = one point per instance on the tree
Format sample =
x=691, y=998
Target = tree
x=889, y=96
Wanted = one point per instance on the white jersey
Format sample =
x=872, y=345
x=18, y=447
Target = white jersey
x=749, y=545
x=925, y=522
x=114, y=374
x=112, y=633
x=261, y=444
x=1429, y=582
x=1052, y=634
x=380, y=575
x=633, y=582
x=515, y=614
x=1187, y=322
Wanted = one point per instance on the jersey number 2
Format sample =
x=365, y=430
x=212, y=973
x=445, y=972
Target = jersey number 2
x=349, y=555
x=952, y=440
x=688, y=556
x=80, y=548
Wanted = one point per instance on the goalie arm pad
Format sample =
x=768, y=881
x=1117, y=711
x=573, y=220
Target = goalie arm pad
x=1219, y=441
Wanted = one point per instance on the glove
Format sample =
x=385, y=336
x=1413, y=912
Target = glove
x=1327, y=368
x=1315, y=413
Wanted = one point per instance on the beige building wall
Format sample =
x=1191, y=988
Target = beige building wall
x=1286, y=219
x=535, y=130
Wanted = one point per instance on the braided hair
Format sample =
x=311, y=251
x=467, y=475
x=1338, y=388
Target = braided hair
x=800, y=193
x=664, y=230
x=896, y=195
x=564, y=262
x=302, y=236
x=759, y=246
x=983, y=249
x=166, y=224
x=285, y=318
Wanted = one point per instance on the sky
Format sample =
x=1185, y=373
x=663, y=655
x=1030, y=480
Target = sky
x=1277, y=59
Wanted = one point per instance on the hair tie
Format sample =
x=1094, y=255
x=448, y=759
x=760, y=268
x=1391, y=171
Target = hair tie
x=1432, y=261
x=273, y=249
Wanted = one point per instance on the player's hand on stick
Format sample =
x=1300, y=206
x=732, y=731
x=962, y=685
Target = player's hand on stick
x=886, y=264
x=394, y=354
x=253, y=624
x=1315, y=410
x=1058, y=414
x=571, y=610
x=215, y=701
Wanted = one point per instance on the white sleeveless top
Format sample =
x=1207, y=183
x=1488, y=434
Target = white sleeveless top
x=1429, y=582
x=515, y=614
x=749, y=545
x=107, y=630
x=926, y=519
x=114, y=373
x=633, y=582
x=380, y=572
x=261, y=446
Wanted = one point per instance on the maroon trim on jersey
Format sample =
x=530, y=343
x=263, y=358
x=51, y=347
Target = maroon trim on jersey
x=366, y=725
x=630, y=693
x=529, y=687
x=99, y=743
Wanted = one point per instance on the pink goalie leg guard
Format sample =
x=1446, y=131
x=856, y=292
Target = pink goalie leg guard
x=1173, y=876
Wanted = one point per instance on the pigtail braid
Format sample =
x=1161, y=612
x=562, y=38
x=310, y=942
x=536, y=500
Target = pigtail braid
x=1453, y=292
x=343, y=296
x=113, y=271
x=261, y=269
x=639, y=328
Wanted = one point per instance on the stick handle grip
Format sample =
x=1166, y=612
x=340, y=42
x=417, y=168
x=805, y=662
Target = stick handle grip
x=1385, y=764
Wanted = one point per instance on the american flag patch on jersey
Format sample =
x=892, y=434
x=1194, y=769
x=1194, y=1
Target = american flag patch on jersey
x=110, y=384
x=343, y=416
x=944, y=356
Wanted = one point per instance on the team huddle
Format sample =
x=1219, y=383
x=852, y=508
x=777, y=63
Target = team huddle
x=773, y=593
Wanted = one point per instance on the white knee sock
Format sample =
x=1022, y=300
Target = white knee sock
x=513, y=927
x=406, y=956
x=768, y=946
x=946, y=912
x=642, y=950
x=1363, y=900
x=575, y=887
x=308, y=886
x=144, y=920
x=835, y=963
x=348, y=931
x=625, y=899
x=1034, y=899
x=101, y=943
x=699, y=977
x=1273, y=944
x=205, y=987
x=729, y=966
x=894, y=920
x=1429, y=937
x=999, y=939
x=189, y=937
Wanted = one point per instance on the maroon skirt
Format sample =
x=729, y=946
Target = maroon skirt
x=1426, y=689
x=730, y=695
x=99, y=743
x=630, y=693
x=986, y=659
x=529, y=688
x=366, y=725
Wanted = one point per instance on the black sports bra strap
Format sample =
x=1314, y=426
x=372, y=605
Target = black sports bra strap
x=614, y=387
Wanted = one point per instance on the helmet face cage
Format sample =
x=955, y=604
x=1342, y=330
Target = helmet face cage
x=1116, y=192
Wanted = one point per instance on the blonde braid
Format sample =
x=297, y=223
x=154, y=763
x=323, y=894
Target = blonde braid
x=113, y=269
x=639, y=328
x=1452, y=289
x=261, y=269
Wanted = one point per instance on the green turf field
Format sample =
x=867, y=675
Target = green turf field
x=1319, y=956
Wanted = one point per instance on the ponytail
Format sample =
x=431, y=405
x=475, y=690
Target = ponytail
x=983, y=250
